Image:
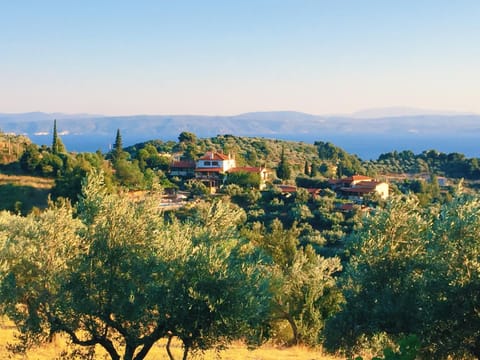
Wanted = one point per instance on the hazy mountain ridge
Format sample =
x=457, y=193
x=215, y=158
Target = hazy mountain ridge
x=402, y=111
x=248, y=124
x=366, y=137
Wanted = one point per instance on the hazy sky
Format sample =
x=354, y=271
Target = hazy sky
x=234, y=56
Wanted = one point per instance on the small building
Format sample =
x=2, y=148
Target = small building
x=359, y=190
x=356, y=187
x=183, y=168
x=348, y=181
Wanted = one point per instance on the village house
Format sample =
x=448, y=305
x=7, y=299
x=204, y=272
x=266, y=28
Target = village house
x=356, y=187
x=211, y=167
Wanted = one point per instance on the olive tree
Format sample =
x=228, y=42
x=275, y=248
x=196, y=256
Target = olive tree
x=452, y=323
x=304, y=285
x=383, y=280
x=414, y=271
x=115, y=274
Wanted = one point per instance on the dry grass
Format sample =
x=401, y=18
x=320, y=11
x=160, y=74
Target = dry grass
x=31, y=181
x=237, y=351
x=23, y=193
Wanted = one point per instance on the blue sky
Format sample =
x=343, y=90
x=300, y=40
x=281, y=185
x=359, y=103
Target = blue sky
x=229, y=57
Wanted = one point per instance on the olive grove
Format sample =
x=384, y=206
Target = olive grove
x=113, y=273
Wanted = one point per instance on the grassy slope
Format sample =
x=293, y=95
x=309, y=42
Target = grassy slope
x=23, y=192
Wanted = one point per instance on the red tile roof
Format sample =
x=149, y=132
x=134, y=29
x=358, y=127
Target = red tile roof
x=209, y=155
x=183, y=164
x=350, y=179
x=359, y=177
x=366, y=184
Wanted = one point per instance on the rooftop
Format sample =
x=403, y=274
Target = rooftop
x=210, y=155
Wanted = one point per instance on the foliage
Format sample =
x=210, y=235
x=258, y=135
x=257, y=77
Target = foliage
x=408, y=350
x=197, y=188
x=424, y=263
x=12, y=147
x=119, y=276
x=452, y=324
x=382, y=280
x=68, y=183
x=244, y=179
x=187, y=137
x=304, y=289
x=346, y=164
x=161, y=147
x=41, y=161
x=316, y=183
x=452, y=165
x=128, y=174
x=256, y=151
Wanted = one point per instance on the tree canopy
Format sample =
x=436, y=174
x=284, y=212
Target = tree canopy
x=420, y=262
x=119, y=276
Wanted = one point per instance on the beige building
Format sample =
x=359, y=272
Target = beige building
x=357, y=186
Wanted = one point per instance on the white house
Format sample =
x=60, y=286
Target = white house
x=217, y=162
x=211, y=167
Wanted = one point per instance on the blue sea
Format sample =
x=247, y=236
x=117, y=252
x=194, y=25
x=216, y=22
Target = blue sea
x=366, y=146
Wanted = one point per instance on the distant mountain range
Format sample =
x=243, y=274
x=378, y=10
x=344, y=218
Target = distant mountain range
x=376, y=125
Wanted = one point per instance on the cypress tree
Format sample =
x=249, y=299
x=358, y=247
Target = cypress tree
x=117, y=147
x=283, y=170
x=57, y=144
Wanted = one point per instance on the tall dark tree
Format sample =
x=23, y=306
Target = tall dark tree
x=57, y=144
x=283, y=170
x=117, y=147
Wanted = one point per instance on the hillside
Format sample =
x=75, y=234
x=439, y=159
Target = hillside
x=258, y=151
x=20, y=193
x=11, y=147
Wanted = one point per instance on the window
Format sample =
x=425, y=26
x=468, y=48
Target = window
x=206, y=163
x=214, y=163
